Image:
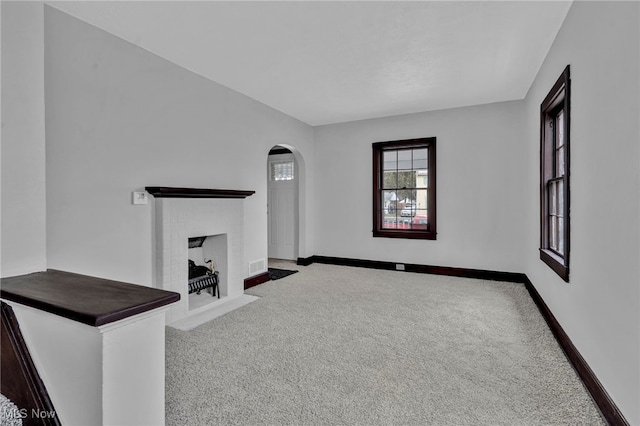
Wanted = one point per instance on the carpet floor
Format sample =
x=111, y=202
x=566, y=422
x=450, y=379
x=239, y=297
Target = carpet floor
x=335, y=345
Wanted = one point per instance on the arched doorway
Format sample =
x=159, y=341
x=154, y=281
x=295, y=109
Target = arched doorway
x=282, y=203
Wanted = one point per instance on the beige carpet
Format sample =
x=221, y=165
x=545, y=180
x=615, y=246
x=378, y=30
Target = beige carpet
x=351, y=346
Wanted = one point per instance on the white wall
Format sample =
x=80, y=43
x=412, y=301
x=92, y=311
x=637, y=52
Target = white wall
x=480, y=185
x=599, y=307
x=23, y=139
x=120, y=118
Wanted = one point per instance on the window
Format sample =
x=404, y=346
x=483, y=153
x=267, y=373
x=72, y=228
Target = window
x=404, y=189
x=281, y=170
x=554, y=177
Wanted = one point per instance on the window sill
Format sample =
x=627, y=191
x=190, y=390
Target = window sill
x=556, y=263
x=404, y=234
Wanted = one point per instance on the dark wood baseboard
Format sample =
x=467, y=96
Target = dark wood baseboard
x=609, y=410
x=305, y=261
x=256, y=279
x=412, y=267
x=603, y=401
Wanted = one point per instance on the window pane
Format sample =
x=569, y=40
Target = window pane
x=282, y=170
x=406, y=179
x=407, y=203
x=389, y=207
x=390, y=179
x=560, y=186
x=404, y=159
x=553, y=232
x=420, y=159
x=389, y=222
x=408, y=210
x=405, y=196
x=560, y=162
x=390, y=211
x=422, y=179
x=412, y=196
x=560, y=129
x=389, y=202
x=421, y=198
x=389, y=160
x=421, y=214
x=552, y=198
x=560, y=235
x=401, y=223
x=420, y=221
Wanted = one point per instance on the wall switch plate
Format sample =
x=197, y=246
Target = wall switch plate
x=140, y=198
x=399, y=266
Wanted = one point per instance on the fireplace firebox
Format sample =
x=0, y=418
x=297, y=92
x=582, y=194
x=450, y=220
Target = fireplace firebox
x=203, y=277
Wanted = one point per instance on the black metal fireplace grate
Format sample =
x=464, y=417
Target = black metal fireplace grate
x=196, y=285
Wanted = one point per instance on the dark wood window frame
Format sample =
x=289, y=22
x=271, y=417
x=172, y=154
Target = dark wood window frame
x=555, y=118
x=379, y=148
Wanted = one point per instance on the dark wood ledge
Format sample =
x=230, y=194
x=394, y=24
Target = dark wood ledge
x=256, y=279
x=89, y=300
x=169, y=192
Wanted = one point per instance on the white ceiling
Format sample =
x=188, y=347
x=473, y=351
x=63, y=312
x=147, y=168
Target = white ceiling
x=328, y=62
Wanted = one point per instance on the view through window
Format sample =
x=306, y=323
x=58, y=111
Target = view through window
x=404, y=188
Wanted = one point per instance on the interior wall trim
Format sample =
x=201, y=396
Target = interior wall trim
x=608, y=409
x=412, y=267
x=256, y=279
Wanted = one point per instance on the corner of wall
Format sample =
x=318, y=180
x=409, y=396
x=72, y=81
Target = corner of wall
x=23, y=207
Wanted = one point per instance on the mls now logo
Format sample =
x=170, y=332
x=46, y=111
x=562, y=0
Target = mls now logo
x=13, y=412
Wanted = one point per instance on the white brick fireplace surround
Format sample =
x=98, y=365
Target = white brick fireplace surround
x=183, y=213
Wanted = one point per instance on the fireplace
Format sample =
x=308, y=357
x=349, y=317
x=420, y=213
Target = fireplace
x=200, y=225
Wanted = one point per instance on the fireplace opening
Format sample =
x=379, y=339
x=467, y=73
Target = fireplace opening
x=207, y=262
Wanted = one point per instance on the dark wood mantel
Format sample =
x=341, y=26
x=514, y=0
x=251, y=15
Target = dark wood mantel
x=171, y=192
x=89, y=300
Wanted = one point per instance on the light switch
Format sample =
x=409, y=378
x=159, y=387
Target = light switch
x=140, y=198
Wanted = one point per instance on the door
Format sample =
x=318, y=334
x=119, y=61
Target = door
x=282, y=204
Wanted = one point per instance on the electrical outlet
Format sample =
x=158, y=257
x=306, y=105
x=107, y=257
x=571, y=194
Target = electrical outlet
x=399, y=266
x=140, y=198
